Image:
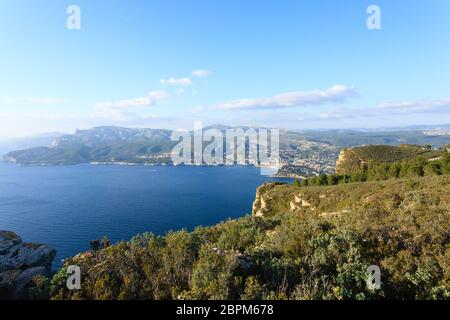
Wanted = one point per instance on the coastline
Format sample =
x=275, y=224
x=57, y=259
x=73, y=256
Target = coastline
x=136, y=164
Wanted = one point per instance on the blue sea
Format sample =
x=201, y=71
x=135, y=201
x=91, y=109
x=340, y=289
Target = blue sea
x=67, y=206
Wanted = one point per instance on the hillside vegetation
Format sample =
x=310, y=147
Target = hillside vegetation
x=385, y=153
x=300, y=243
x=366, y=164
x=352, y=159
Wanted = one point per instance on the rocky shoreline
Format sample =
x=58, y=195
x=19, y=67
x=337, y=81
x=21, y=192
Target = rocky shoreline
x=20, y=262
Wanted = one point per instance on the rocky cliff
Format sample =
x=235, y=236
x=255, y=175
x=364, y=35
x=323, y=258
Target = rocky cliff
x=329, y=202
x=348, y=161
x=263, y=204
x=275, y=198
x=352, y=159
x=20, y=262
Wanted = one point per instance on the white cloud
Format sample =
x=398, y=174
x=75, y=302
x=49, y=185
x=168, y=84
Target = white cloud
x=180, y=82
x=200, y=73
x=334, y=94
x=198, y=109
x=422, y=105
x=158, y=95
x=390, y=109
x=153, y=98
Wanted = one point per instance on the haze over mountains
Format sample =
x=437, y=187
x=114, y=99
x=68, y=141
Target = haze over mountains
x=44, y=139
x=302, y=153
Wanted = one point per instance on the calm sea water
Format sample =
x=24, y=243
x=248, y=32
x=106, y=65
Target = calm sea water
x=67, y=206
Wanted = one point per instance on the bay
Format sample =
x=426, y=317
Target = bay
x=67, y=206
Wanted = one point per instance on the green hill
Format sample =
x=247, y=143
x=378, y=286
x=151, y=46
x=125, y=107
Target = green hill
x=350, y=168
x=309, y=241
x=352, y=159
x=299, y=243
x=101, y=144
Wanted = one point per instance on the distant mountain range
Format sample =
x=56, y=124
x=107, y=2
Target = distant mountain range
x=105, y=144
x=38, y=140
x=302, y=152
x=407, y=128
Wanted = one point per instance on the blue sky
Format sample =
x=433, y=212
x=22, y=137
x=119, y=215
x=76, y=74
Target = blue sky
x=165, y=63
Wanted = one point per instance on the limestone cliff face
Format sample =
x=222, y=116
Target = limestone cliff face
x=272, y=199
x=260, y=204
x=348, y=161
x=263, y=201
x=20, y=262
x=342, y=159
x=352, y=159
x=275, y=198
